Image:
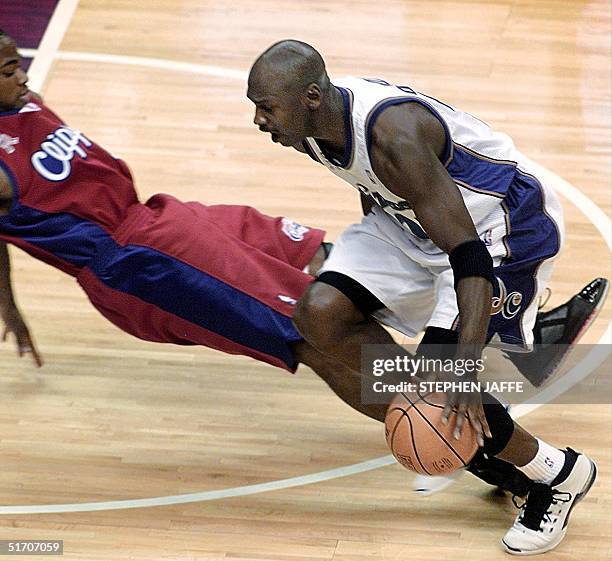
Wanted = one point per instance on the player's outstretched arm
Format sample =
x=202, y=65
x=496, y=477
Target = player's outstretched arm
x=407, y=144
x=10, y=314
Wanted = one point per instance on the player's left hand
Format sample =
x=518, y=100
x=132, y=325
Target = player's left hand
x=14, y=323
x=465, y=405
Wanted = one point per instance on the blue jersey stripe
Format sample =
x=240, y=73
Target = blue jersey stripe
x=158, y=279
x=534, y=235
x=65, y=235
x=481, y=173
x=187, y=292
x=533, y=238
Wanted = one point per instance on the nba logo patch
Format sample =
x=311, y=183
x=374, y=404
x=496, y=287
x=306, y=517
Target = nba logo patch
x=293, y=230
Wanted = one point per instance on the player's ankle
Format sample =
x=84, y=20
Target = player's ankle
x=546, y=465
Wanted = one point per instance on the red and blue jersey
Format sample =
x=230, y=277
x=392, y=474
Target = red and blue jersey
x=222, y=276
x=69, y=193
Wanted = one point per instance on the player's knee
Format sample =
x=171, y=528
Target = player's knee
x=322, y=315
x=313, y=311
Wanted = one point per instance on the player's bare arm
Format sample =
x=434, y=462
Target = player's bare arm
x=9, y=313
x=6, y=193
x=407, y=144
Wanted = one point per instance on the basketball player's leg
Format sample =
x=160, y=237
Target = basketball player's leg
x=318, y=258
x=332, y=323
x=559, y=478
x=235, y=313
x=194, y=282
x=340, y=313
x=364, y=279
x=330, y=317
x=345, y=383
x=360, y=328
x=511, y=444
x=439, y=343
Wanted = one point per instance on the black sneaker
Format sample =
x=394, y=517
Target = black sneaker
x=558, y=330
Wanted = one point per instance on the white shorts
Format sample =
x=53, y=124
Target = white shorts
x=417, y=288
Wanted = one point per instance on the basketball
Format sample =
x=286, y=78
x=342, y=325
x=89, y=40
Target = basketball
x=418, y=439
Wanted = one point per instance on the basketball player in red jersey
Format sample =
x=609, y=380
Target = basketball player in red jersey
x=164, y=271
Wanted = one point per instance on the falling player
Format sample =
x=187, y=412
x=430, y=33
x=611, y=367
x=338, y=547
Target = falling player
x=222, y=276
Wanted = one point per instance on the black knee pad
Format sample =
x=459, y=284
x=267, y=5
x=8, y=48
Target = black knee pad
x=358, y=294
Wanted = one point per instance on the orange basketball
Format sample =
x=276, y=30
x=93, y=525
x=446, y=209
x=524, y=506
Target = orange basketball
x=418, y=439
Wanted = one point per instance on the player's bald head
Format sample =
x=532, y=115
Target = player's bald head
x=288, y=66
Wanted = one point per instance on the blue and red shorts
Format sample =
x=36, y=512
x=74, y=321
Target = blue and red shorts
x=221, y=276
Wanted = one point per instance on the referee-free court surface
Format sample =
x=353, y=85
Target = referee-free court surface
x=111, y=420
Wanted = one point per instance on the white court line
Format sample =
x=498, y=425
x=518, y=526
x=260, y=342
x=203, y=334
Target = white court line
x=50, y=43
x=28, y=53
x=159, y=63
x=576, y=197
x=336, y=473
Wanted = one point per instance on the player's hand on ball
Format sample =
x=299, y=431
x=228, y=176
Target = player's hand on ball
x=465, y=405
x=14, y=323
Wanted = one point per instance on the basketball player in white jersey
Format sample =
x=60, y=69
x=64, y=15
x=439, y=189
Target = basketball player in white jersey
x=457, y=239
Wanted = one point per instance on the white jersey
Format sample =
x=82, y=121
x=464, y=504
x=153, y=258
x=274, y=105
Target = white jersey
x=482, y=163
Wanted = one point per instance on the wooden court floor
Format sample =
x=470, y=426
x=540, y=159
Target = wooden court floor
x=113, y=418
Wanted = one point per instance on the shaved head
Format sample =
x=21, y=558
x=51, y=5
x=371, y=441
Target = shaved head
x=291, y=91
x=289, y=66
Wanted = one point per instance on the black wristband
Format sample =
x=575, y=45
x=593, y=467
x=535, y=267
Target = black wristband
x=471, y=259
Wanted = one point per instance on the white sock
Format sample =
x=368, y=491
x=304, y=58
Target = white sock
x=546, y=465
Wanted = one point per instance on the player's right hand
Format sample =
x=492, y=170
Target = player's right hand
x=14, y=323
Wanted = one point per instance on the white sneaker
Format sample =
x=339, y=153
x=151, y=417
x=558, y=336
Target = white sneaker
x=425, y=485
x=542, y=522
